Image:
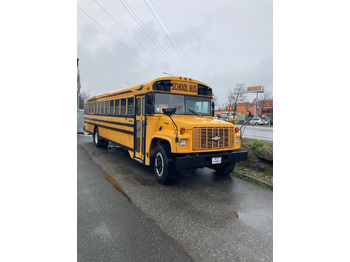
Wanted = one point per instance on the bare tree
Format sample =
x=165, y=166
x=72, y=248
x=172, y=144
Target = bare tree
x=215, y=100
x=236, y=95
x=267, y=95
x=230, y=99
x=82, y=97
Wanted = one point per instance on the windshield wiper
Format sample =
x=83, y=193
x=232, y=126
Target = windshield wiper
x=178, y=108
x=194, y=112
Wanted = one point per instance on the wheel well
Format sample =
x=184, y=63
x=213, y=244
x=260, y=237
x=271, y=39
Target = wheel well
x=158, y=141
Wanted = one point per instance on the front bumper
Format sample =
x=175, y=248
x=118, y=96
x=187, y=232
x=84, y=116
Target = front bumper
x=205, y=160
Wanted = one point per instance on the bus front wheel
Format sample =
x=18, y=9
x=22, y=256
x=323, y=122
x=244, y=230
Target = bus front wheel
x=98, y=141
x=161, y=165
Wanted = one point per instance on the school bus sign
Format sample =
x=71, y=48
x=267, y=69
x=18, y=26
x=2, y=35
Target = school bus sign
x=255, y=89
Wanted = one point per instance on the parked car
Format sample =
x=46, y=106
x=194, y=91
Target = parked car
x=241, y=120
x=257, y=121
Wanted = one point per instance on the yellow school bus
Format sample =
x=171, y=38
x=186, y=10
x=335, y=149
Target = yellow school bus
x=166, y=123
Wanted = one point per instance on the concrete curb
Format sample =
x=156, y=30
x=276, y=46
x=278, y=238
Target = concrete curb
x=256, y=179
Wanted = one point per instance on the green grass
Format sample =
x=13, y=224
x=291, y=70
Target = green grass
x=253, y=181
x=256, y=143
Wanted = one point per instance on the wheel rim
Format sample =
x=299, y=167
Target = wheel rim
x=159, y=163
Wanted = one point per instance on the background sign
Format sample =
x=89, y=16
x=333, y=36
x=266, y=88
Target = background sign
x=255, y=89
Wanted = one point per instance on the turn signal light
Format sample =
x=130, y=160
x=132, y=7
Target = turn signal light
x=182, y=130
x=236, y=129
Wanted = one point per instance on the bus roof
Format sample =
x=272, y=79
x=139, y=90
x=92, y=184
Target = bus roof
x=139, y=87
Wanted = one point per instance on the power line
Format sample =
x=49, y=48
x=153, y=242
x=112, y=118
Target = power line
x=94, y=68
x=95, y=80
x=143, y=27
x=118, y=40
x=172, y=35
x=87, y=80
x=171, y=41
x=155, y=59
x=97, y=77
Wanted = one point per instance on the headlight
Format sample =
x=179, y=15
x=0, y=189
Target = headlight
x=237, y=140
x=182, y=143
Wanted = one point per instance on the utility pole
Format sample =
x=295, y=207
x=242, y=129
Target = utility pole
x=79, y=86
x=80, y=114
x=256, y=106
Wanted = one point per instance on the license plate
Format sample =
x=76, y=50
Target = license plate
x=216, y=160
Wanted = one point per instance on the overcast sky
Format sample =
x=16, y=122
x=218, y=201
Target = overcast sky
x=220, y=43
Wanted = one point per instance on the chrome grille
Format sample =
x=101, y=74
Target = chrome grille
x=205, y=138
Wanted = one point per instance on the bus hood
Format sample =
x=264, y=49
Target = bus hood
x=189, y=122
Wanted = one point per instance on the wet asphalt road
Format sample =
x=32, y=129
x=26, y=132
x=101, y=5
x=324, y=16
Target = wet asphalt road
x=207, y=217
x=110, y=228
x=258, y=132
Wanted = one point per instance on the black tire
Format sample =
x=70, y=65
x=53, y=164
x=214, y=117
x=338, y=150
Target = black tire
x=256, y=123
x=224, y=169
x=98, y=141
x=161, y=165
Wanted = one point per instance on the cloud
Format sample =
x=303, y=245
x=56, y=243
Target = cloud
x=260, y=74
x=226, y=42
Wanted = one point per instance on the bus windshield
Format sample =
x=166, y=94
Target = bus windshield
x=185, y=105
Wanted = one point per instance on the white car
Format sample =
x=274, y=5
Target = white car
x=257, y=121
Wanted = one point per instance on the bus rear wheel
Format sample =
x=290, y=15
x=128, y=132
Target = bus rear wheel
x=98, y=141
x=161, y=165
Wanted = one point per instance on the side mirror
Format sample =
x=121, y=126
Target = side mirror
x=212, y=108
x=149, y=104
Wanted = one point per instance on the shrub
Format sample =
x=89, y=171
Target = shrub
x=256, y=143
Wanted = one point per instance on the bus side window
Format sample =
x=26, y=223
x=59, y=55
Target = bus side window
x=117, y=109
x=107, y=107
x=130, y=106
x=123, y=106
x=111, y=105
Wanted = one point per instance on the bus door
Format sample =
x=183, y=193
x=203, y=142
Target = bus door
x=140, y=128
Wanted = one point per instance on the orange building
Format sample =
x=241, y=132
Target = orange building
x=265, y=108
